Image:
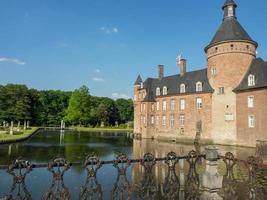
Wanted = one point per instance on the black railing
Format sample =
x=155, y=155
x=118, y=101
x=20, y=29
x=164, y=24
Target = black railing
x=147, y=187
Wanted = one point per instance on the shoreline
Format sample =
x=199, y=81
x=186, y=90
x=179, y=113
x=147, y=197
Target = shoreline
x=84, y=129
x=18, y=138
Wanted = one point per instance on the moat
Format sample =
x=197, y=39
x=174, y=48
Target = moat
x=75, y=146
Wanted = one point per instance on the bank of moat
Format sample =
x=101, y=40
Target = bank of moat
x=225, y=103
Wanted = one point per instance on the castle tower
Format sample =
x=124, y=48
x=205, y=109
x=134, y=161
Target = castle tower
x=229, y=55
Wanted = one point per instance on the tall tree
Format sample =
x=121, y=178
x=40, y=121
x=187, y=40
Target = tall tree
x=78, y=111
x=125, y=108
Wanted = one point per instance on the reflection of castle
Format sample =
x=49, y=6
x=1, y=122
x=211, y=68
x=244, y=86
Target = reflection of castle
x=226, y=102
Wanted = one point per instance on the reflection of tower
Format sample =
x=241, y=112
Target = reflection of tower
x=62, y=135
x=181, y=176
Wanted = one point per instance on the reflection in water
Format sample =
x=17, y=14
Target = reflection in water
x=58, y=190
x=159, y=170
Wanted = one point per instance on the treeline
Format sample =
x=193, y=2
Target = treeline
x=48, y=108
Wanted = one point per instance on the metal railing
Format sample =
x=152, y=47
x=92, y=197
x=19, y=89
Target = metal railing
x=147, y=188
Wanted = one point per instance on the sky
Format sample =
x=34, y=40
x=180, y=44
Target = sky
x=105, y=44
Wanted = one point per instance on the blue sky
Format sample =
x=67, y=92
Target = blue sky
x=105, y=44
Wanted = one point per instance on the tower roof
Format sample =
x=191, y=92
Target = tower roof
x=230, y=29
x=228, y=3
x=138, y=80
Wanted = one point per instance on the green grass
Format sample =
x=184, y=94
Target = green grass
x=85, y=129
x=24, y=134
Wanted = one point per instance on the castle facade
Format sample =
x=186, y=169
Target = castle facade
x=225, y=103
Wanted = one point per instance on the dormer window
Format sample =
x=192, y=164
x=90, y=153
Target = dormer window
x=182, y=88
x=251, y=80
x=142, y=85
x=158, y=91
x=165, y=90
x=199, y=87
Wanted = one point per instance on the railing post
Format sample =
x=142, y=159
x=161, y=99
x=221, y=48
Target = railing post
x=212, y=181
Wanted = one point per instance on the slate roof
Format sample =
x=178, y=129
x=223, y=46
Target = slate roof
x=173, y=84
x=229, y=2
x=258, y=68
x=138, y=80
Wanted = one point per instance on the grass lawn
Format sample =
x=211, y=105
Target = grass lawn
x=107, y=129
x=7, y=137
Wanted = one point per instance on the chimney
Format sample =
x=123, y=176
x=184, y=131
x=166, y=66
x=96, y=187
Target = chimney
x=161, y=71
x=182, y=65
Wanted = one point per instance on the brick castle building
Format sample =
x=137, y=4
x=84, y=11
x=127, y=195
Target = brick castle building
x=225, y=103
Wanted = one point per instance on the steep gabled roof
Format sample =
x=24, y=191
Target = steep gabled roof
x=138, y=80
x=173, y=84
x=258, y=68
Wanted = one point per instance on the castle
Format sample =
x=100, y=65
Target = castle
x=225, y=103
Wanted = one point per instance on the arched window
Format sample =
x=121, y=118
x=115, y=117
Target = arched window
x=251, y=80
x=199, y=87
x=182, y=88
x=165, y=90
x=157, y=91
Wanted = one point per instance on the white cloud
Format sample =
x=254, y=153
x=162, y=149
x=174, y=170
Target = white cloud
x=116, y=95
x=98, y=79
x=12, y=60
x=109, y=30
x=97, y=70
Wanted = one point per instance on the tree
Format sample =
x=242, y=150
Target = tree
x=126, y=110
x=78, y=111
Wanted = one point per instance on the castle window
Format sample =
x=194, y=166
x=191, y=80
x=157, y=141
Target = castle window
x=182, y=104
x=182, y=120
x=164, y=105
x=157, y=91
x=144, y=107
x=144, y=95
x=199, y=87
x=172, y=120
x=152, y=107
x=157, y=120
x=182, y=88
x=152, y=119
x=172, y=105
x=157, y=105
x=229, y=117
x=165, y=90
x=199, y=103
x=163, y=120
x=251, y=80
x=134, y=97
x=142, y=85
x=251, y=121
x=144, y=120
x=250, y=101
x=221, y=90
x=213, y=71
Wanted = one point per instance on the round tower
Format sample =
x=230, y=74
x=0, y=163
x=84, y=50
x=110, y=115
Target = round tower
x=229, y=55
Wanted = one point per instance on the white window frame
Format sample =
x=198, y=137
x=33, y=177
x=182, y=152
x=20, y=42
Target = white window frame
x=229, y=117
x=152, y=119
x=251, y=121
x=221, y=90
x=142, y=85
x=251, y=80
x=182, y=120
x=172, y=104
x=144, y=106
x=152, y=107
x=164, y=105
x=172, y=120
x=182, y=88
x=214, y=71
x=182, y=104
x=164, y=90
x=199, y=103
x=250, y=101
x=158, y=105
x=164, y=120
x=199, y=87
x=158, y=91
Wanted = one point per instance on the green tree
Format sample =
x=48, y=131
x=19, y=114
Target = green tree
x=126, y=110
x=78, y=111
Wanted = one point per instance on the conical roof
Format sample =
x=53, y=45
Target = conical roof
x=230, y=30
x=138, y=80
